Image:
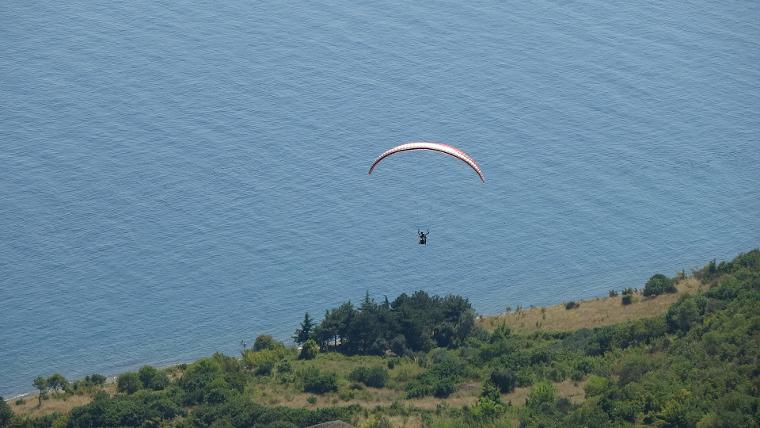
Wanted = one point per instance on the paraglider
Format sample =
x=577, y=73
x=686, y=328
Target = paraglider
x=423, y=236
x=436, y=147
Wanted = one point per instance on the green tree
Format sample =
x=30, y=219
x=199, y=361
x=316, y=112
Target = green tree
x=42, y=386
x=504, y=379
x=318, y=382
x=374, y=377
x=129, y=382
x=659, y=284
x=152, y=378
x=305, y=332
x=266, y=341
x=95, y=379
x=542, y=394
x=57, y=382
x=309, y=350
x=6, y=414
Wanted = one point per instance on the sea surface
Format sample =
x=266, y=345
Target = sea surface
x=178, y=176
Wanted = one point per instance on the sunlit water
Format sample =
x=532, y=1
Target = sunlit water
x=177, y=177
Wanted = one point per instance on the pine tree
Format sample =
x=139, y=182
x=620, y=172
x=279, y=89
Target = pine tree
x=305, y=332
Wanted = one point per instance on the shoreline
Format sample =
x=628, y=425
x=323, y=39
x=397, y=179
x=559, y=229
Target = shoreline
x=524, y=320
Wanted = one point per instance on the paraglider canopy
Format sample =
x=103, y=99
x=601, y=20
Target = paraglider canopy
x=436, y=147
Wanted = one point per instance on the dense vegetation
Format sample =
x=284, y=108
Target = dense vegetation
x=409, y=324
x=695, y=366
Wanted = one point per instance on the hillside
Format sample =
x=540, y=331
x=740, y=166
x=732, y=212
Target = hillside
x=687, y=358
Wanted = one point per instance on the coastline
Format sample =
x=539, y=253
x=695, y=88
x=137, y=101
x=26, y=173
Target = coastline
x=592, y=312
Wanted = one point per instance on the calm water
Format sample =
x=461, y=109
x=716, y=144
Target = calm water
x=177, y=177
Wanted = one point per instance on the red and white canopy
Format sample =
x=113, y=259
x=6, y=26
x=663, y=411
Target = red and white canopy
x=436, y=147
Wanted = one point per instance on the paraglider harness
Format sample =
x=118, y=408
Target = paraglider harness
x=423, y=236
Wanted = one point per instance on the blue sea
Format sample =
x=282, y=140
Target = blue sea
x=178, y=176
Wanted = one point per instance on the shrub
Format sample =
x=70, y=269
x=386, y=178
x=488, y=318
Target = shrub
x=152, y=378
x=504, y=379
x=312, y=399
x=596, y=385
x=128, y=382
x=443, y=388
x=95, y=379
x=571, y=305
x=543, y=393
x=284, y=367
x=57, y=382
x=374, y=377
x=265, y=368
x=262, y=362
x=309, y=350
x=6, y=414
x=266, y=341
x=318, y=382
x=659, y=284
x=613, y=293
x=627, y=299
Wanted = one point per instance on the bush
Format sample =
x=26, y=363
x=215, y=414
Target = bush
x=543, y=393
x=627, y=299
x=266, y=341
x=309, y=350
x=571, y=305
x=318, y=382
x=284, y=367
x=262, y=362
x=374, y=377
x=95, y=379
x=659, y=284
x=613, y=293
x=128, y=382
x=6, y=414
x=57, y=382
x=504, y=379
x=152, y=378
x=265, y=368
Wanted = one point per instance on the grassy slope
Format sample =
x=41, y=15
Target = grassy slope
x=591, y=313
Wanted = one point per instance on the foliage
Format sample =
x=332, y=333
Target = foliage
x=572, y=305
x=262, y=362
x=304, y=333
x=309, y=350
x=42, y=386
x=319, y=382
x=128, y=382
x=627, y=299
x=374, y=377
x=696, y=365
x=266, y=341
x=410, y=324
x=211, y=379
x=57, y=383
x=152, y=378
x=504, y=379
x=6, y=414
x=439, y=380
x=659, y=284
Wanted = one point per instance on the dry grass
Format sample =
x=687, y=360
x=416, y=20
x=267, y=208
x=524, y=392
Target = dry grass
x=54, y=403
x=591, y=313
